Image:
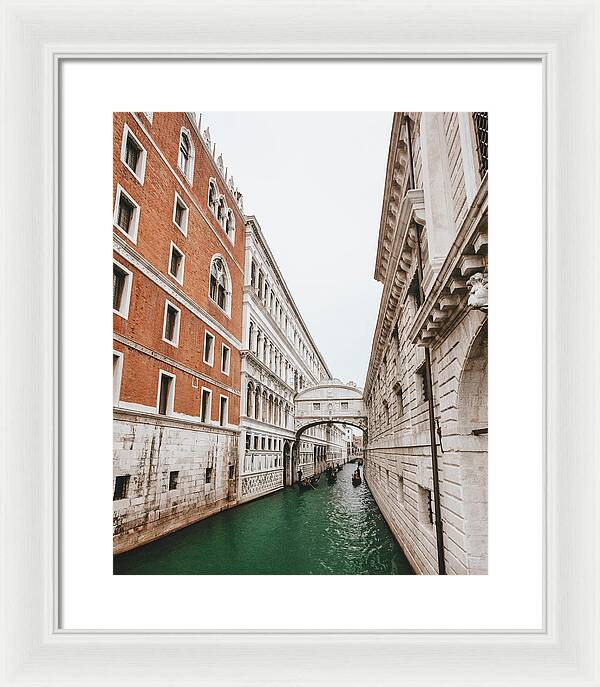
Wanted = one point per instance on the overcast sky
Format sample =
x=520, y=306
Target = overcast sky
x=315, y=180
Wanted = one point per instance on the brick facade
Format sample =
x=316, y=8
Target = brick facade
x=175, y=467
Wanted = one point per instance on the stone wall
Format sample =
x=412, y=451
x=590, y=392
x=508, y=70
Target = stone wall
x=149, y=450
x=398, y=468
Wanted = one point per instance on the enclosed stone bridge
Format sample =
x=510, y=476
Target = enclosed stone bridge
x=329, y=401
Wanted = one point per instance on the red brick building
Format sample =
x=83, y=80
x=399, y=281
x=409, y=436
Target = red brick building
x=178, y=261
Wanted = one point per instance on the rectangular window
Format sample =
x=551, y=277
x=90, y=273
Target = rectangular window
x=426, y=509
x=166, y=389
x=122, y=278
x=173, y=479
x=225, y=359
x=176, y=263
x=171, y=324
x=223, y=410
x=262, y=443
x=344, y=405
x=133, y=154
x=421, y=384
x=127, y=214
x=400, y=489
x=180, y=214
x=121, y=487
x=208, y=475
x=480, y=121
x=209, y=348
x=248, y=441
x=255, y=443
x=316, y=406
x=117, y=373
x=399, y=398
x=205, y=405
x=231, y=474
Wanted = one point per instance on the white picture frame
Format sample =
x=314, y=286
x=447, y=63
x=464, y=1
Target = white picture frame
x=36, y=37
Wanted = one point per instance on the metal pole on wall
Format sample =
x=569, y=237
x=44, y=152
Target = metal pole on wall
x=439, y=527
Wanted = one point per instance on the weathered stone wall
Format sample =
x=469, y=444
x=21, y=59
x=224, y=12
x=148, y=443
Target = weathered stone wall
x=433, y=239
x=149, y=449
x=398, y=468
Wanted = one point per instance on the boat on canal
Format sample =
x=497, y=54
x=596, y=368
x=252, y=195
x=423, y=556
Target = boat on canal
x=356, y=479
x=331, y=474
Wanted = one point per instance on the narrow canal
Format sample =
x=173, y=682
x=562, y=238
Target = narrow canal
x=330, y=530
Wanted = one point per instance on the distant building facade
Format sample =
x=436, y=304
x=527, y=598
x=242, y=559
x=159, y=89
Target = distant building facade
x=178, y=279
x=432, y=262
x=279, y=358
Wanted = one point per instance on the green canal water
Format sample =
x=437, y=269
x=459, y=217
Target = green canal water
x=330, y=530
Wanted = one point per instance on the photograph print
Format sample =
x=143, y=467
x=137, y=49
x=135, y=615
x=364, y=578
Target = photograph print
x=300, y=343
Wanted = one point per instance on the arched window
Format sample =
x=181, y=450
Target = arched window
x=212, y=196
x=230, y=225
x=186, y=155
x=249, y=398
x=264, y=404
x=257, y=403
x=221, y=211
x=219, y=290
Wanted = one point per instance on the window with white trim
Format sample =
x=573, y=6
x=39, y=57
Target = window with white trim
x=171, y=323
x=122, y=280
x=209, y=348
x=117, y=375
x=213, y=196
x=225, y=359
x=180, y=214
x=133, y=154
x=205, y=405
x=127, y=214
x=176, y=263
x=219, y=284
x=166, y=393
x=223, y=410
x=230, y=225
x=185, y=159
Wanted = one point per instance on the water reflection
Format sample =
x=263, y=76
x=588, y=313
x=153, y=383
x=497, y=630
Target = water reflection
x=331, y=530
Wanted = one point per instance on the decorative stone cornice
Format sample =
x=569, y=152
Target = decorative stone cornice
x=401, y=263
x=449, y=299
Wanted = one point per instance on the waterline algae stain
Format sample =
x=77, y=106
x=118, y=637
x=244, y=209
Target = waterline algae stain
x=330, y=530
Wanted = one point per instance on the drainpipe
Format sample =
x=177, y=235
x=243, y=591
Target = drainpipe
x=439, y=529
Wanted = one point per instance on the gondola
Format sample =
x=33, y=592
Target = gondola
x=304, y=484
x=331, y=474
x=356, y=481
x=314, y=480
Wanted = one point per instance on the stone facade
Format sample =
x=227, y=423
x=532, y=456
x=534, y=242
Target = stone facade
x=178, y=273
x=279, y=358
x=432, y=261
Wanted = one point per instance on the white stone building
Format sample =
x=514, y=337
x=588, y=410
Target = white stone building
x=431, y=342
x=279, y=358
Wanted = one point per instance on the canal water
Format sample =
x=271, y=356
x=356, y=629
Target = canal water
x=330, y=530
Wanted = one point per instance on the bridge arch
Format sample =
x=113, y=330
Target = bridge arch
x=329, y=402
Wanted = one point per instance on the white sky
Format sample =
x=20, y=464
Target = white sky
x=315, y=181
